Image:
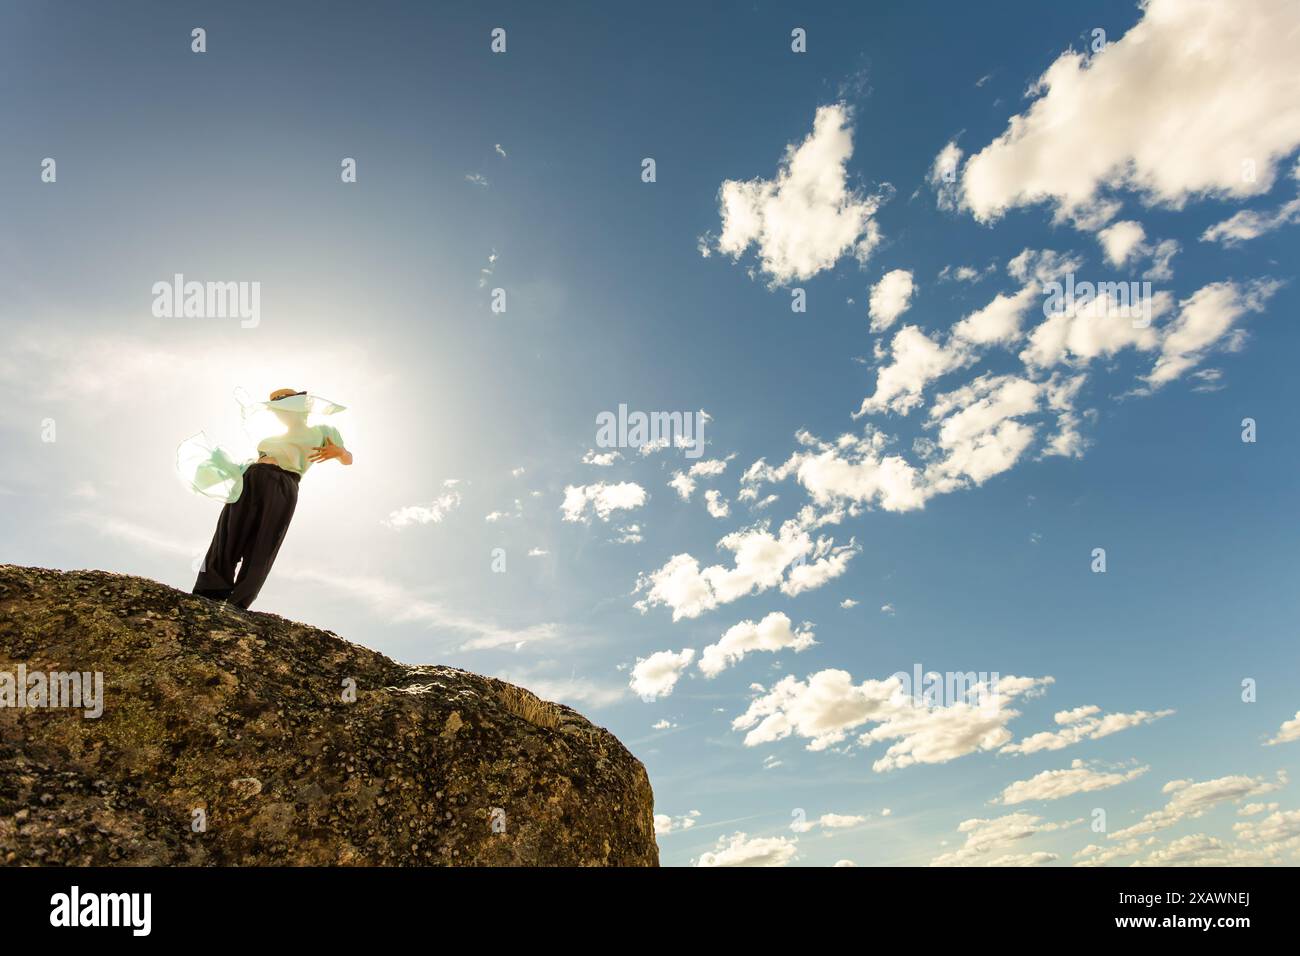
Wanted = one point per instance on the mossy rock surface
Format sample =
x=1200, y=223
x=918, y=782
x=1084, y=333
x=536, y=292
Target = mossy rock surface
x=228, y=738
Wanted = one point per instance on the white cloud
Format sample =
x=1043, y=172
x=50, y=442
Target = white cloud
x=1161, y=255
x=984, y=836
x=828, y=562
x=1273, y=840
x=761, y=560
x=709, y=468
x=828, y=821
x=1038, y=858
x=1275, y=833
x=1095, y=855
x=432, y=513
x=773, y=633
x=1083, y=723
x=853, y=468
x=496, y=516
x=1042, y=265
x=822, y=709
x=740, y=850
x=1205, y=320
x=890, y=298
x=952, y=273
x=977, y=437
x=717, y=505
x=848, y=603
x=826, y=707
x=931, y=734
x=1124, y=243
x=808, y=217
x=1287, y=733
x=1196, y=849
x=684, y=482
x=1208, y=380
x=840, y=821
x=1055, y=784
x=1145, y=115
x=1098, y=328
x=664, y=824
x=604, y=498
x=1062, y=392
x=1246, y=225
x=1191, y=799
x=1121, y=240
x=916, y=359
x=1250, y=809
x=998, y=323
x=629, y=534
x=600, y=459
x=490, y=269
x=943, y=176
x=656, y=675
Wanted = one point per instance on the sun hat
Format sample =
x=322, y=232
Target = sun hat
x=289, y=401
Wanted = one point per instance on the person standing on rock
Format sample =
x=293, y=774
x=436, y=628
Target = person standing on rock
x=261, y=494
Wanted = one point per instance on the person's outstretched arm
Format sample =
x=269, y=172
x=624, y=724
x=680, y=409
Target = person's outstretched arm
x=329, y=450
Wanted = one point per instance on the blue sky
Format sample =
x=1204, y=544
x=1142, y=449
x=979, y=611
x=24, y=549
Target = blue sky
x=522, y=171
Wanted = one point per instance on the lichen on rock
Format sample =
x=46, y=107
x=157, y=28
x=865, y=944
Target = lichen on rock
x=240, y=738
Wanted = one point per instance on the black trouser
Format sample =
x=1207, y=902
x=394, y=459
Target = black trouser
x=250, y=529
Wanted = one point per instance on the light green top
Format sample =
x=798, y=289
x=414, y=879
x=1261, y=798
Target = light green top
x=213, y=471
x=292, y=452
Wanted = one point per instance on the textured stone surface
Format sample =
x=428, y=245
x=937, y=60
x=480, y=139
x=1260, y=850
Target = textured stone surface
x=242, y=715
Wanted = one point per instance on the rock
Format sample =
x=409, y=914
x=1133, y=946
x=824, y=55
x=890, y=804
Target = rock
x=230, y=737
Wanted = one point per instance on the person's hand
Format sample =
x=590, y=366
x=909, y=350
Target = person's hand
x=327, y=451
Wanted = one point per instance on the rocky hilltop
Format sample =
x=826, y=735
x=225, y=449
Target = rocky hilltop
x=228, y=737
